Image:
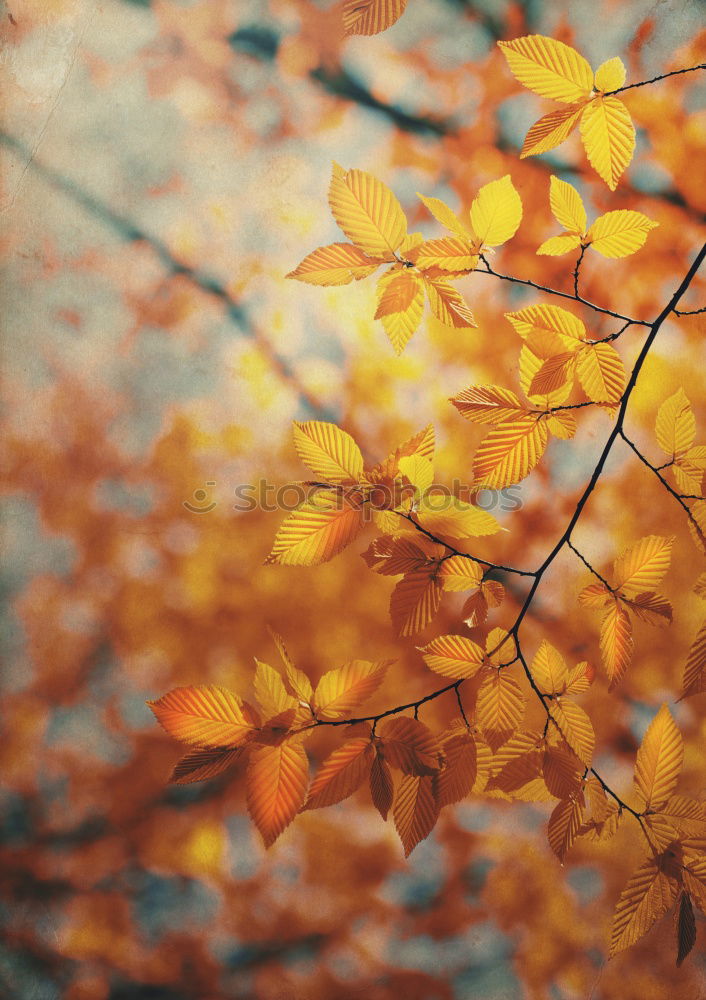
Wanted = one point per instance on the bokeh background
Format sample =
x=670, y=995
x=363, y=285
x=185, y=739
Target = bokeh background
x=164, y=165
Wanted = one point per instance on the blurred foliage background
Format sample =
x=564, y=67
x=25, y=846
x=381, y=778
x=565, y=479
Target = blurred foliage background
x=164, y=164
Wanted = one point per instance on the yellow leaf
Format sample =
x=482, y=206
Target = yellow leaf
x=496, y=212
x=686, y=927
x=555, y=246
x=697, y=524
x=410, y=746
x=580, y=678
x=551, y=130
x=500, y=707
x=549, y=68
x=562, y=424
x=647, y=897
x=453, y=656
x=549, y=669
x=608, y=136
x=369, y=17
x=422, y=444
x=337, y=264
x=414, y=602
x=400, y=306
x=620, y=233
x=601, y=373
x=610, y=75
x=695, y=669
x=567, y=206
x=562, y=772
x=595, y=595
x=489, y=404
x=530, y=363
x=443, y=214
x=415, y=811
x=270, y=691
x=642, y=566
x=509, y=452
x=449, y=253
x=204, y=715
x=455, y=779
x=297, y=679
x=316, y=531
x=547, y=319
x=381, y=787
x=576, y=728
x=341, y=773
x=659, y=761
x=448, y=305
x=276, y=781
x=450, y=517
x=616, y=643
x=200, y=764
x=554, y=372
x=329, y=452
x=459, y=573
x=688, y=815
x=651, y=608
x=564, y=824
x=367, y=212
x=342, y=690
x=520, y=777
x=675, y=425
x=499, y=646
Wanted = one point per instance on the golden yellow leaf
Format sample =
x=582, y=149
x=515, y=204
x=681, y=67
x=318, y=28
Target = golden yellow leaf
x=620, y=233
x=509, y=452
x=400, y=306
x=204, y=715
x=694, y=876
x=697, y=524
x=422, y=444
x=270, y=691
x=580, y=678
x=547, y=319
x=608, y=136
x=489, y=404
x=336, y=264
x=659, y=761
x=549, y=68
x=554, y=372
x=415, y=810
x=647, y=897
x=564, y=825
x=367, y=212
x=316, y=531
x=381, y=787
x=610, y=75
x=641, y=567
x=458, y=573
x=395, y=556
x=453, y=656
x=414, y=602
x=448, y=305
x=449, y=253
x=595, y=595
x=690, y=471
x=517, y=770
x=562, y=424
x=530, y=363
x=695, y=668
x=686, y=814
x=601, y=373
x=500, y=647
x=686, y=927
x=342, y=690
x=555, y=246
x=500, y=707
x=410, y=746
x=200, y=764
x=297, y=679
x=651, y=608
x=551, y=130
x=456, y=778
x=616, y=642
x=450, y=517
x=675, y=426
x=369, y=17
x=549, y=669
x=576, y=728
x=341, y=773
x=329, y=452
x=496, y=212
x=562, y=771
x=446, y=216
x=567, y=206
x=275, y=783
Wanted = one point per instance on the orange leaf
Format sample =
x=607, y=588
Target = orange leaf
x=342, y=690
x=695, y=669
x=564, y=824
x=686, y=927
x=509, y=452
x=415, y=810
x=500, y=707
x=455, y=780
x=199, y=764
x=551, y=130
x=453, y=656
x=276, y=782
x=410, y=746
x=489, y=404
x=204, y=715
x=381, y=787
x=647, y=897
x=316, y=531
x=341, y=773
x=336, y=264
x=659, y=760
x=616, y=642
x=459, y=573
x=414, y=602
x=448, y=305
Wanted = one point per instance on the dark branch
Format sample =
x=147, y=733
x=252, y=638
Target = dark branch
x=655, y=79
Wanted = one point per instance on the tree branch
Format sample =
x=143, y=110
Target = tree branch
x=655, y=79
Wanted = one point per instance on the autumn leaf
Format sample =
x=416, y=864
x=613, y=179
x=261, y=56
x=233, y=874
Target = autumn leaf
x=576, y=728
x=447, y=304
x=276, y=783
x=200, y=764
x=489, y=404
x=414, y=601
x=564, y=825
x=647, y=897
x=610, y=75
x=297, y=679
x=543, y=320
x=270, y=691
x=370, y=17
x=410, y=746
x=446, y=216
x=620, y=233
x=685, y=927
x=342, y=690
x=659, y=761
x=549, y=68
x=601, y=373
x=456, y=778
x=496, y=212
x=329, y=452
x=381, y=786
x=567, y=206
x=642, y=566
x=342, y=773
x=204, y=715
x=457, y=573
x=509, y=452
x=400, y=306
x=337, y=264
x=500, y=707
x=415, y=810
x=675, y=426
x=608, y=136
x=616, y=642
x=453, y=656
x=551, y=130
x=367, y=212
x=316, y=531
x=449, y=253
x=453, y=518
x=549, y=669
x=695, y=668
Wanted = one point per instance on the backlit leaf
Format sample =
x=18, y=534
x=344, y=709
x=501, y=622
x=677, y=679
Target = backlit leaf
x=341, y=773
x=616, y=642
x=695, y=668
x=567, y=206
x=676, y=425
x=564, y=825
x=200, y=764
x=608, y=136
x=453, y=656
x=647, y=897
x=549, y=68
x=509, y=453
x=410, y=746
x=554, y=372
x=316, y=531
x=276, y=782
x=642, y=566
x=344, y=689
x=496, y=212
x=610, y=75
x=458, y=573
x=400, y=306
x=620, y=233
x=329, y=452
x=659, y=760
x=549, y=669
x=367, y=212
x=551, y=130
x=270, y=691
x=414, y=602
x=455, y=779
x=204, y=715
x=415, y=810
x=686, y=927
x=575, y=727
x=544, y=318
x=450, y=253
x=448, y=305
x=381, y=786
x=297, y=679
x=450, y=517
x=336, y=264
x=555, y=246
x=446, y=216
x=601, y=373
x=369, y=17
x=489, y=404
x=500, y=707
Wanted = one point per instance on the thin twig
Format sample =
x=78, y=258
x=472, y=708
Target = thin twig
x=655, y=79
x=588, y=565
x=577, y=268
